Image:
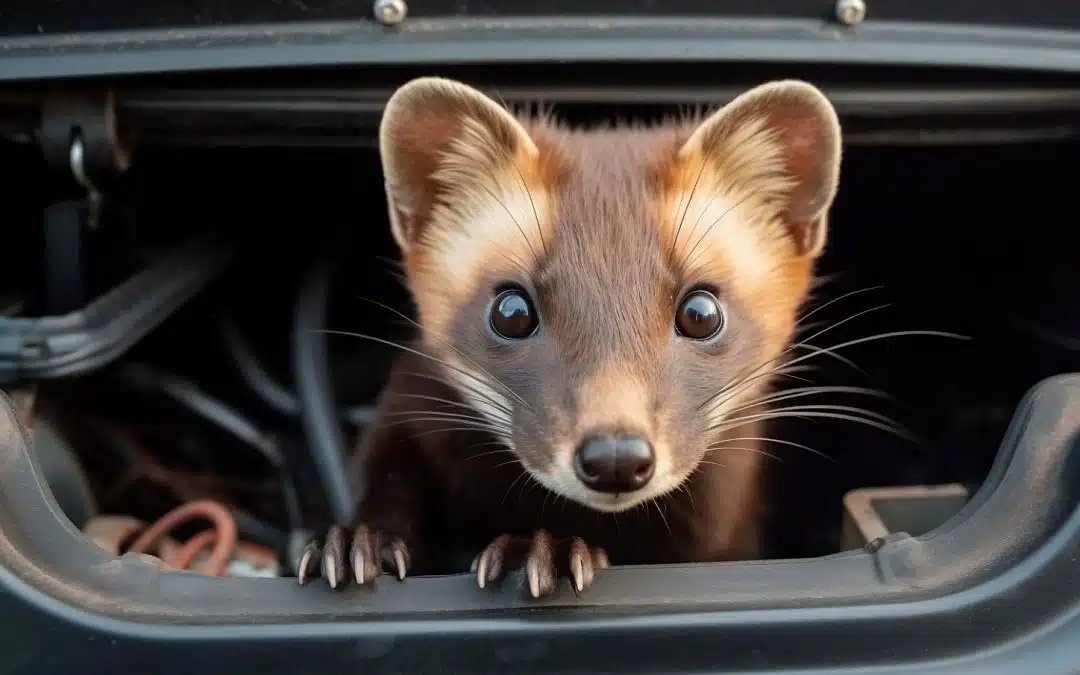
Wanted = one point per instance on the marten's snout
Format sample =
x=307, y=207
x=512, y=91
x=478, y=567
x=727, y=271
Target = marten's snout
x=615, y=464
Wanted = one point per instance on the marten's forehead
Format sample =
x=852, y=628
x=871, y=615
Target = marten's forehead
x=607, y=208
x=607, y=197
x=605, y=284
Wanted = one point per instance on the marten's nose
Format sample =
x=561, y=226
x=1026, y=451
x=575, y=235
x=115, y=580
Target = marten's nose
x=615, y=463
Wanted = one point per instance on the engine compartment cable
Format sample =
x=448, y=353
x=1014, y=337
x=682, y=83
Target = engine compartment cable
x=206, y=406
x=318, y=409
x=263, y=384
x=223, y=537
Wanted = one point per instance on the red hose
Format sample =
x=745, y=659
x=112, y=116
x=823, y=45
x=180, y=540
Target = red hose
x=224, y=535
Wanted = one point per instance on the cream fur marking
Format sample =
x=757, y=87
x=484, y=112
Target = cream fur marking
x=478, y=391
x=493, y=233
x=468, y=164
x=741, y=211
x=484, y=212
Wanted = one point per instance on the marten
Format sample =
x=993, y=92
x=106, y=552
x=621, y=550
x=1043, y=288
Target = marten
x=602, y=314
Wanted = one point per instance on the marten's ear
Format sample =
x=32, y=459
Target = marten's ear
x=442, y=139
x=781, y=141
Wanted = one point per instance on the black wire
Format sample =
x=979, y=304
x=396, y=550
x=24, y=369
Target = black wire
x=265, y=386
x=225, y=417
x=318, y=410
x=251, y=527
x=254, y=529
x=261, y=382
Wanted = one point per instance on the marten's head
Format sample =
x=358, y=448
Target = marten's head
x=609, y=300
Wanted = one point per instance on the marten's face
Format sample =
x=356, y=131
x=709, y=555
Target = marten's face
x=610, y=301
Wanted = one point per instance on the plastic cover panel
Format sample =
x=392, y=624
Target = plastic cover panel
x=996, y=580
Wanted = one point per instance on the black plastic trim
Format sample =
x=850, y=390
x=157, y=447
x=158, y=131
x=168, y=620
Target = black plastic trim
x=340, y=116
x=440, y=42
x=278, y=112
x=141, y=106
x=91, y=337
x=972, y=596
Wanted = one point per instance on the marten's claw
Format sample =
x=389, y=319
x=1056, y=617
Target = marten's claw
x=361, y=554
x=489, y=565
x=540, y=572
x=542, y=561
x=584, y=562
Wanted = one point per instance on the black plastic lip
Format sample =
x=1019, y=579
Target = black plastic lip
x=343, y=116
x=865, y=100
x=438, y=42
x=1002, y=569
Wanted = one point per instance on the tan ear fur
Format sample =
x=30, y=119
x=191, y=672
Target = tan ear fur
x=439, y=136
x=782, y=140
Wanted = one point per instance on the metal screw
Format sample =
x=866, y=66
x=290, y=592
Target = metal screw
x=391, y=12
x=850, y=12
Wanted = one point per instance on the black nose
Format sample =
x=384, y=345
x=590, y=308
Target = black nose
x=615, y=463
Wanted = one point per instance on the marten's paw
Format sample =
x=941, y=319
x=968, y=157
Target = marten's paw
x=362, y=554
x=542, y=560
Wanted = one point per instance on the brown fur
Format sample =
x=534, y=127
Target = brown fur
x=607, y=230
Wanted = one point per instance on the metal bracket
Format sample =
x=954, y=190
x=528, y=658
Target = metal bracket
x=79, y=136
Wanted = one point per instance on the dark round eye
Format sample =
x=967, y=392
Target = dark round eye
x=699, y=316
x=513, y=316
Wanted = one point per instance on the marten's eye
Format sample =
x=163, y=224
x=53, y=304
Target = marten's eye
x=699, y=316
x=513, y=315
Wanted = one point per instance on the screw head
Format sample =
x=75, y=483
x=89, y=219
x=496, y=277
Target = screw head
x=850, y=12
x=391, y=12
